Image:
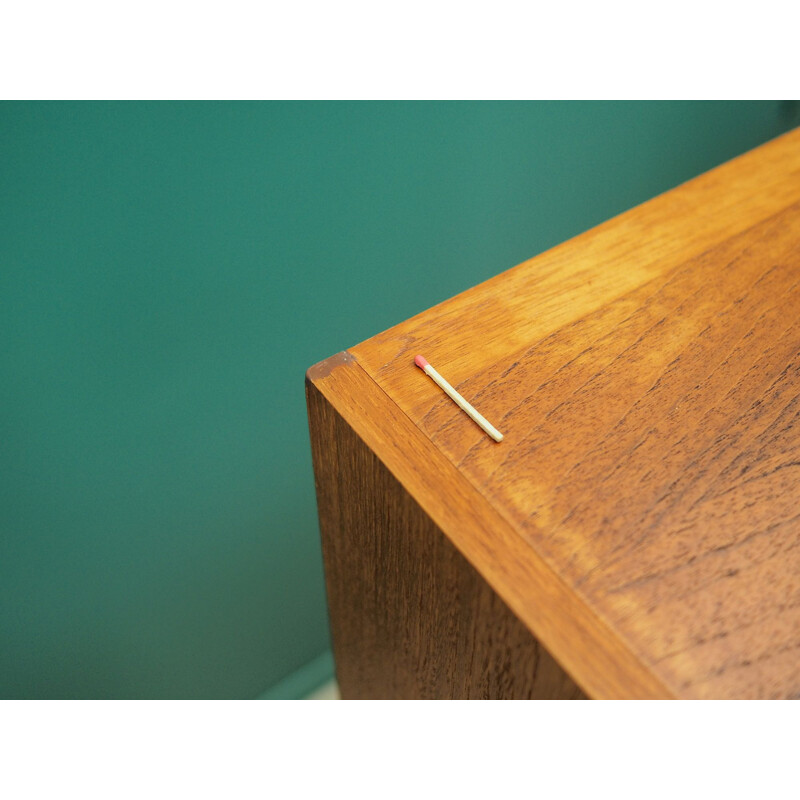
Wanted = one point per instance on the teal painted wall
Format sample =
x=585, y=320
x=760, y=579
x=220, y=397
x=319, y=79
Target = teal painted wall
x=167, y=273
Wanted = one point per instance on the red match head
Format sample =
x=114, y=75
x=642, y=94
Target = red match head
x=420, y=362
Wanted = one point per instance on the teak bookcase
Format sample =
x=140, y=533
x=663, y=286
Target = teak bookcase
x=637, y=532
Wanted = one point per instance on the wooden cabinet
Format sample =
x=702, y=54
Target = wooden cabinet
x=637, y=531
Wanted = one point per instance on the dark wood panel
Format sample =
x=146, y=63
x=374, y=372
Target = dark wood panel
x=410, y=617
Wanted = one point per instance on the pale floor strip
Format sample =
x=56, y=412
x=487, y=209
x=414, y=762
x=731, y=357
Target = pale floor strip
x=328, y=691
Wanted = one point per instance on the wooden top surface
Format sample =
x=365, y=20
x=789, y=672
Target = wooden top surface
x=646, y=376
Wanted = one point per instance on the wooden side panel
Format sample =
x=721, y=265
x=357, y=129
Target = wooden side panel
x=410, y=617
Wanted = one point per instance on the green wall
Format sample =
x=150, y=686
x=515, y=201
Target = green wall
x=167, y=273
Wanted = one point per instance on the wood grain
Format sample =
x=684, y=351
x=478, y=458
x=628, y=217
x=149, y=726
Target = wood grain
x=646, y=376
x=590, y=652
x=559, y=288
x=410, y=616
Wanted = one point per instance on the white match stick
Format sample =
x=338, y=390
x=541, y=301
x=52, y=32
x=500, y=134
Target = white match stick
x=458, y=399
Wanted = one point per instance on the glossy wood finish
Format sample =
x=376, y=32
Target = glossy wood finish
x=641, y=516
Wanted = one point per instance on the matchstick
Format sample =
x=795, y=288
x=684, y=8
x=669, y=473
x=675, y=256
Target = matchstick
x=458, y=399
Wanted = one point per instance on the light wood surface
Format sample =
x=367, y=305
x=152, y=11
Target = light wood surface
x=641, y=515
